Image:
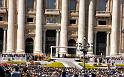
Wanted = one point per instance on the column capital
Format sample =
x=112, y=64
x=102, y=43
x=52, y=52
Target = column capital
x=108, y=32
x=95, y=32
x=44, y=29
x=4, y=28
x=58, y=30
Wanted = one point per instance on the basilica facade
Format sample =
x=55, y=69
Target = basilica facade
x=33, y=26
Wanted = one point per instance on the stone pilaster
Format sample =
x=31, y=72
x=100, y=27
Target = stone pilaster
x=108, y=44
x=44, y=40
x=57, y=41
x=4, y=40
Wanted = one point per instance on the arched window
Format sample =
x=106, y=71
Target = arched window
x=30, y=4
x=50, y=41
x=71, y=42
x=72, y=4
x=101, y=43
x=29, y=45
x=51, y=4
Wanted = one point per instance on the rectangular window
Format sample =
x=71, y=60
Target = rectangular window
x=73, y=21
x=30, y=4
x=29, y=19
x=102, y=5
x=51, y=4
x=72, y=5
x=102, y=22
x=1, y=18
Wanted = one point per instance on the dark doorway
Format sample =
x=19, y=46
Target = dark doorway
x=71, y=42
x=50, y=41
x=101, y=43
x=1, y=39
x=29, y=45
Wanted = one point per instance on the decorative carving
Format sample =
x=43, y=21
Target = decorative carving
x=29, y=33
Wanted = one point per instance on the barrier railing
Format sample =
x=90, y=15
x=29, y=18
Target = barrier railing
x=20, y=57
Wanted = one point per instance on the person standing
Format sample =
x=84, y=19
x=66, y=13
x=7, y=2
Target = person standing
x=2, y=72
x=16, y=72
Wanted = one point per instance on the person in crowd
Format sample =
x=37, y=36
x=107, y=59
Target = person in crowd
x=2, y=72
x=64, y=73
x=75, y=75
x=7, y=73
x=25, y=72
x=55, y=74
x=16, y=72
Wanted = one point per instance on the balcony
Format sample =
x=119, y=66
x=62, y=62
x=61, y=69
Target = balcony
x=52, y=11
x=74, y=13
x=102, y=28
x=103, y=14
x=30, y=25
x=52, y=26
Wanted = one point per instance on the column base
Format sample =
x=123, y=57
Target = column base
x=38, y=52
x=10, y=51
x=3, y=51
x=79, y=53
x=114, y=54
x=57, y=54
x=90, y=53
x=121, y=54
x=20, y=52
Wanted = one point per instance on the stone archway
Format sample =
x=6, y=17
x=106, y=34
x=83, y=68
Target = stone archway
x=71, y=42
x=29, y=45
x=50, y=41
x=101, y=43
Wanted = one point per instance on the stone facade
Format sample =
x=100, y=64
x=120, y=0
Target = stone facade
x=32, y=26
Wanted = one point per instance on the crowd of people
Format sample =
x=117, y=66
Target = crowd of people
x=34, y=70
x=39, y=71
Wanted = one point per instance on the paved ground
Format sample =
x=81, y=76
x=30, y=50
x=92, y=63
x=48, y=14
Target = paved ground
x=69, y=62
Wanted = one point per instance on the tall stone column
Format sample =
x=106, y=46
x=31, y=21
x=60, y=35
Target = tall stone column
x=90, y=26
x=39, y=26
x=115, y=27
x=21, y=27
x=108, y=44
x=10, y=31
x=4, y=41
x=64, y=24
x=57, y=41
x=81, y=24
